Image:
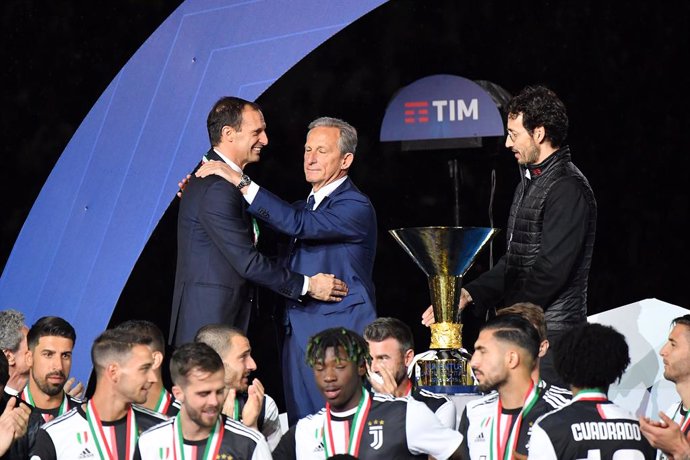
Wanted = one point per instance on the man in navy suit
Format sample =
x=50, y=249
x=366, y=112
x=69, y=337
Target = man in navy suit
x=334, y=231
x=218, y=264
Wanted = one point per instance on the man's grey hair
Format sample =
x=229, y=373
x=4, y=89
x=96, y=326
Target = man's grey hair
x=217, y=336
x=347, y=142
x=11, y=324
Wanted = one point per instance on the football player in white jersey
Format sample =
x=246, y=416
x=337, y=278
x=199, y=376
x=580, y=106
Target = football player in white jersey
x=200, y=431
x=391, y=350
x=670, y=434
x=590, y=357
x=109, y=423
x=354, y=421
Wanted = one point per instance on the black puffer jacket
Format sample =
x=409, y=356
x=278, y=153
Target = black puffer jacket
x=550, y=234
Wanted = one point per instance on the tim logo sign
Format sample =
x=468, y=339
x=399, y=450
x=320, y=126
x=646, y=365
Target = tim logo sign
x=441, y=107
x=452, y=110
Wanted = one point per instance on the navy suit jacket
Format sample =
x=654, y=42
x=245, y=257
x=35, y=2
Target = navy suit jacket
x=217, y=262
x=338, y=237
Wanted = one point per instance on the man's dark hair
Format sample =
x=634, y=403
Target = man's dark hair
x=516, y=330
x=385, y=328
x=145, y=328
x=190, y=356
x=218, y=336
x=684, y=320
x=114, y=345
x=591, y=356
x=353, y=344
x=227, y=111
x=531, y=312
x=50, y=326
x=540, y=106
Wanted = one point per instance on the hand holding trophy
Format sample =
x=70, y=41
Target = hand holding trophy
x=445, y=254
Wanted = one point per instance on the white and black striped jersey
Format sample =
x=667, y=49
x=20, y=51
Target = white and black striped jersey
x=21, y=447
x=238, y=443
x=481, y=416
x=69, y=436
x=590, y=427
x=679, y=415
x=395, y=428
x=439, y=404
x=268, y=421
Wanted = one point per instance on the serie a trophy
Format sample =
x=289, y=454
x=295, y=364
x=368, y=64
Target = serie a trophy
x=445, y=254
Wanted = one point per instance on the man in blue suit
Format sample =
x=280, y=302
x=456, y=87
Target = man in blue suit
x=334, y=231
x=218, y=264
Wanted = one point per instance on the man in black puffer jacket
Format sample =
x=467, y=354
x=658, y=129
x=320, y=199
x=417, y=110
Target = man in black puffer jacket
x=551, y=226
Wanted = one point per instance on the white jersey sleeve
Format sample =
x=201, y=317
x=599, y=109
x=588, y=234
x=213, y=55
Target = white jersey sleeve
x=262, y=451
x=426, y=434
x=540, y=446
x=448, y=415
x=271, y=428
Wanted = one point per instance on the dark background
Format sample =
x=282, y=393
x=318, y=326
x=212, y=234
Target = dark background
x=617, y=68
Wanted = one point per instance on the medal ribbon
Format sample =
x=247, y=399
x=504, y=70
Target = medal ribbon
x=164, y=401
x=215, y=438
x=358, y=422
x=408, y=391
x=683, y=422
x=26, y=396
x=96, y=428
x=590, y=394
x=504, y=449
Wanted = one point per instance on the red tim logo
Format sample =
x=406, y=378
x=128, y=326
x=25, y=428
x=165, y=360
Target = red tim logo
x=416, y=112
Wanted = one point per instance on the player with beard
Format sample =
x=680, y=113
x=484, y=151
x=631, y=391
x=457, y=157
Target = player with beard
x=159, y=399
x=391, y=351
x=354, y=421
x=49, y=357
x=107, y=425
x=670, y=434
x=199, y=431
x=498, y=425
x=244, y=402
x=590, y=357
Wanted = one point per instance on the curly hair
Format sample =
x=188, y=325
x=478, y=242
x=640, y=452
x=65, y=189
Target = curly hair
x=540, y=106
x=353, y=344
x=11, y=335
x=591, y=356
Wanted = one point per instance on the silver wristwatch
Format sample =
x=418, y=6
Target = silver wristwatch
x=244, y=182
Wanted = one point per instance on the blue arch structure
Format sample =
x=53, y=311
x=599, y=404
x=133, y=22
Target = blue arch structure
x=119, y=172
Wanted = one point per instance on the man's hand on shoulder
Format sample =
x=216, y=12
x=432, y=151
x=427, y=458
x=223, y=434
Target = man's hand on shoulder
x=327, y=287
x=219, y=168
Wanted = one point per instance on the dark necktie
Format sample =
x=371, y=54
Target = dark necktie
x=310, y=203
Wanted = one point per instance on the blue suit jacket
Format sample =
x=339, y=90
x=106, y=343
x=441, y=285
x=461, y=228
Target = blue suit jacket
x=217, y=262
x=339, y=237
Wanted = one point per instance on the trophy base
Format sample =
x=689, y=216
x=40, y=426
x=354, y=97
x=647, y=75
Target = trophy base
x=447, y=372
x=451, y=389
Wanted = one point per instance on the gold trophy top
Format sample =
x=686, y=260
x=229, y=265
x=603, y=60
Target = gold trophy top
x=444, y=254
